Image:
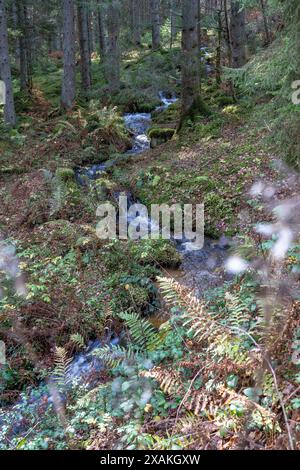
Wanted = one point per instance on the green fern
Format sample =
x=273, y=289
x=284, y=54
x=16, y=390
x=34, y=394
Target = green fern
x=238, y=312
x=78, y=340
x=113, y=356
x=62, y=367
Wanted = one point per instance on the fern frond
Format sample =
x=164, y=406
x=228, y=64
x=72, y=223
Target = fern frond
x=113, y=356
x=62, y=367
x=202, y=326
x=78, y=340
x=219, y=338
x=143, y=333
x=239, y=315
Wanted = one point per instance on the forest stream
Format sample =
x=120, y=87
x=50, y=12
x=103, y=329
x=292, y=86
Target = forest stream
x=200, y=270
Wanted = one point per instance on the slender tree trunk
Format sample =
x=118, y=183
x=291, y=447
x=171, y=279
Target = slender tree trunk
x=24, y=46
x=173, y=21
x=15, y=26
x=238, y=34
x=266, y=26
x=90, y=27
x=85, y=57
x=219, y=48
x=102, y=39
x=113, y=49
x=69, y=78
x=228, y=34
x=155, y=10
x=5, y=70
x=191, y=100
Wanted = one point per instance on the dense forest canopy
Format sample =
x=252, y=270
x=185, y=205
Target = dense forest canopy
x=140, y=120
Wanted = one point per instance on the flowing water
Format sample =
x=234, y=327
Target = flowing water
x=200, y=271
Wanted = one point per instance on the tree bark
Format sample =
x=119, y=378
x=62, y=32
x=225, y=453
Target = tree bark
x=155, y=15
x=69, y=77
x=238, y=34
x=136, y=21
x=173, y=21
x=85, y=57
x=113, y=47
x=101, y=23
x=5, y=69
x=199, y=34
x=266, y=26
x=219, y=48
x=228, y=34
x=191, y=100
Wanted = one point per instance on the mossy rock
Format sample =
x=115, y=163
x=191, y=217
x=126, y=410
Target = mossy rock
x=131, y=101
x=159, y=136
x=169, y=115
x=65, y=174
x=139, y=296
x=160, y=253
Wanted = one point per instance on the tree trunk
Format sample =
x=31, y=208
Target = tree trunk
x=85, y=58
x=15, y=27
x=173, y=20
x=266, y=26
x=113, y=48
x=102, y=39
x=69, y=78
x=191, y=101
x=136, y=21
x=24, y=45
x=5, y=70
x=199, y=32
x=219, y=48
x=238, y=34
x=228, y=35
x=155, y=9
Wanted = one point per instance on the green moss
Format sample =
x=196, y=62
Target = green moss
x=160, y=253
x=169, y=115
x=131, y=101
x=64, y=236
x=199, y=108
x=224, y=100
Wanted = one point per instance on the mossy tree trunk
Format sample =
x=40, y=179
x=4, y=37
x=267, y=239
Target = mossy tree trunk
x=5, y=69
